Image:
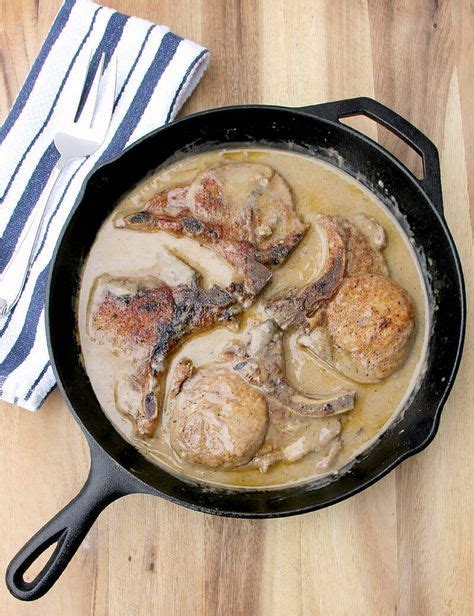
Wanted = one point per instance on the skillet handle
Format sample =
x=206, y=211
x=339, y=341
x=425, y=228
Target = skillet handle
x=68, y=528
x=431, y=182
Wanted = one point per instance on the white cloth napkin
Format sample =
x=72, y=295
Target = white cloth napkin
x=157, y=71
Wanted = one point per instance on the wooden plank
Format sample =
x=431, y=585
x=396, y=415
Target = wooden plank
x=417, y=52
x=405, y=545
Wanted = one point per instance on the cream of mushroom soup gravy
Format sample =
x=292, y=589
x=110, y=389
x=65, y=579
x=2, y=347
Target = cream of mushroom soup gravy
x=317, y=188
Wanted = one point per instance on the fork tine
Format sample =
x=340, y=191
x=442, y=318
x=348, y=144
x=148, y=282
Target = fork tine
x=87, y=113
x=76, y=86
x=105, y=104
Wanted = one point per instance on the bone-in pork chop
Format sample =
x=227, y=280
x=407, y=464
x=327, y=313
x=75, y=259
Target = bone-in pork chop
x=243, y=411
x=353, y=316
x=350, y=246
x=243, y=211
x=145, y=319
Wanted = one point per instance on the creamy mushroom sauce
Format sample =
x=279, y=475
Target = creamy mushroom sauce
x=317, y=188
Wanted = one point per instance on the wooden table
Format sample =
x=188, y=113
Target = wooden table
x=404, y=546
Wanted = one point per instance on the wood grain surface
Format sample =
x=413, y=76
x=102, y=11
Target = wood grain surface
x=404, y=546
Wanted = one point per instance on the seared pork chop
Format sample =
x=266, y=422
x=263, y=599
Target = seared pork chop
x=145, y=319
x=350, y=246
x=243, y=211
x=356, y=319
x=243, y=411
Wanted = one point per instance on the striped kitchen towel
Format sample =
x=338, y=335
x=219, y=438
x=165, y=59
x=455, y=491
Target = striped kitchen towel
x=157, y=71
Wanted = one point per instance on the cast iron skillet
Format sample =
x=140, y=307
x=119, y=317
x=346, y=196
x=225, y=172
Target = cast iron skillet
x=117, y=468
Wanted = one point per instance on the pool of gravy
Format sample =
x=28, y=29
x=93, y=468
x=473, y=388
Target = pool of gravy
x=317, y=188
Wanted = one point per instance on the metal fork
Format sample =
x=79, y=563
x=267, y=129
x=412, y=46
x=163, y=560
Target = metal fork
x=74, y=140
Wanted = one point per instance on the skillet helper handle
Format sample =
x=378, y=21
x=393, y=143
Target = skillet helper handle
x=67, y=529
x=431, y=182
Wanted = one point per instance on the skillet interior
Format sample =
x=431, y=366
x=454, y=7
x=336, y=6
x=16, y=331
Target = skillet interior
x=284, y=128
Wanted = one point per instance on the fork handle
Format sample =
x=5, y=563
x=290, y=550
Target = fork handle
x=7, y=305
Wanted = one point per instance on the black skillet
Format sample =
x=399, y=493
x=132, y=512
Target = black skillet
x=117, y=468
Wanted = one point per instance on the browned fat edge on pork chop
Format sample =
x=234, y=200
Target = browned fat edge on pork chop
x=243, y=211
x=297, y=304
x=146, y=319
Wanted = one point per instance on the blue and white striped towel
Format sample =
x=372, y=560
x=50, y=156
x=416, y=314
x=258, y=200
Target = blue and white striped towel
x=157, y=71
